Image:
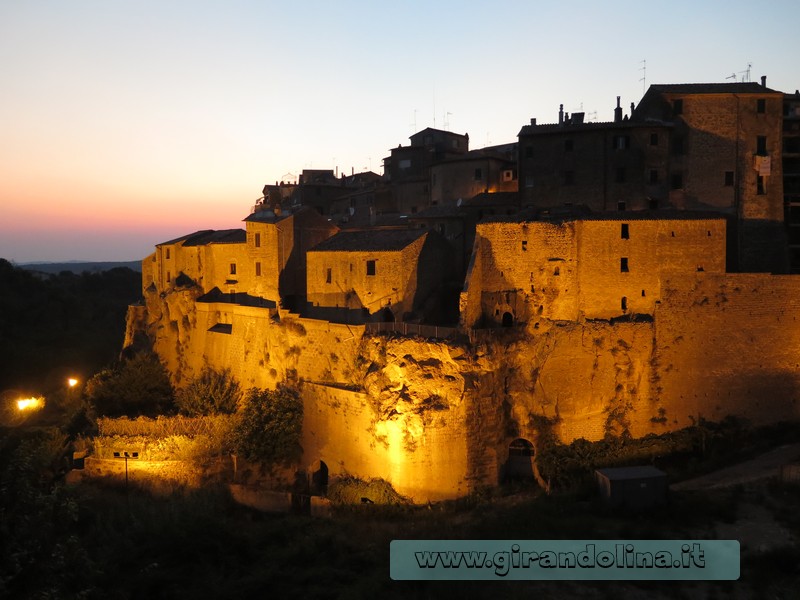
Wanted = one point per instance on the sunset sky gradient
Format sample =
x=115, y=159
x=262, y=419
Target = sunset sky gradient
x=125, y=123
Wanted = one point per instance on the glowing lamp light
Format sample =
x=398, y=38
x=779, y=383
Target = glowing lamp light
x=72, y=382
x=25, y=404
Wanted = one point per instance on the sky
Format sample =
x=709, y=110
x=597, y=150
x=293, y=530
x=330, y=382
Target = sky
x=124, y=124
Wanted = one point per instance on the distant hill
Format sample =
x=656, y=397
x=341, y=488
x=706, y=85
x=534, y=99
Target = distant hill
x=80, y=267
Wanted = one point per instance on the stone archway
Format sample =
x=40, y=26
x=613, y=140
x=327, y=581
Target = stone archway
x=386, y=315
x=519, y=465
x=508, y=319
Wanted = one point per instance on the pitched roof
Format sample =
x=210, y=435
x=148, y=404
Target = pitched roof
x=712, y=88
x=582, y=213
x=210, y=236
x=374, y=240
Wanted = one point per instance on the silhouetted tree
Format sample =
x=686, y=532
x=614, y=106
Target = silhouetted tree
x=212, y=392
x=136, y=387
x=270, y=426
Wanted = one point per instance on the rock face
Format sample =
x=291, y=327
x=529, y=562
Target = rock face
x=437, y=419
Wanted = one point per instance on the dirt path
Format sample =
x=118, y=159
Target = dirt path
x=761, y=467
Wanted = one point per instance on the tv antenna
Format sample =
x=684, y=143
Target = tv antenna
x=643, y=79
x=746, y=78
x=447, y=116
x=731, y=76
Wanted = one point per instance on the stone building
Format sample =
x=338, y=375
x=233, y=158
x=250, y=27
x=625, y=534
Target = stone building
x=686, y=146
x=791, y=175
x=602, y=266
x=384, y=275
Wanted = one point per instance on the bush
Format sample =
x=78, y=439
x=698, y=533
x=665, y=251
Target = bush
x=270, y=425
x=212, y=393
x=136, y=387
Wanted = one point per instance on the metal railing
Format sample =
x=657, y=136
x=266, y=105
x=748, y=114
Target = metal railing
x=426, y=331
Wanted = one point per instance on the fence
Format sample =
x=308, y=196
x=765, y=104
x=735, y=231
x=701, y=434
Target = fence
x=426, y=331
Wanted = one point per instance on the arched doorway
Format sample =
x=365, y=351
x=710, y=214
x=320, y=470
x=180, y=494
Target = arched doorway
x=319, y=480
x=508, y=319
x=387, y=316
x=519, y=466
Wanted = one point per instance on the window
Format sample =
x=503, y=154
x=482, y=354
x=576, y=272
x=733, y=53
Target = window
x=761, y=145
x=653, y=176
x=233, y=268
x=677, y=146
x=328, y=275
x=258, y=269
x=568, y=146
x=677, y=106
x=624, y=232
x=370, y=267
x=624, y=304
x=623, y=265
x=760, y=189
x=728, y=178
x=761, y=105
x=621, y=205
x=569, y=177
x=620, y=178
x=528, y=181
x=478, y=174
x=654, y=139
x=405, y=163
x=257, y=241
x=167, y=257
x=621, y=142
x=653, y=204
x=677, y=181
x=169, y=276
x=524, y=245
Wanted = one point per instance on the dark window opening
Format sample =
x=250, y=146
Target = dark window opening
x=387, y=316
x=624, y=304
x=624, y=231
x=623, y=265
x=677, y=146
x=654, y=139
x=760, y=189
x=258, y=240
x=258, y=269
x=761, y=145
x=520, y=447
x=621, y=205
x=677, y=106
x=169, y=277
x=620, y=175
x=557, y=272
x=653, y=176
x=524, y=245
x=233, y=268
x=478, y=174
x=728, y=178
x=370, y=267
x=167, y=252
x=653, y=204
x=761, y=105
x=621, y=142
x=328, y=275
x=643, y=294
x=508, y=319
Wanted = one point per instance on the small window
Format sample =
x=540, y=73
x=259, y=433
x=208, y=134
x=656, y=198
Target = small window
x=653, y=176
x=328, y=275
x=677, y=106
x=624, y=232
x=728, y=178
x=233, y=268
x=167, y=254
x=624, y=304
x=621, y=175
x=621, y=142
x=653, y=204
x=569, y=177
x=258, y=269
x=760, y=188
x=677, y=146
x=623, y=265
x=621, y=205
x=643, y=294
x=528, y=181
x=524, y=245
x=478, y=174
x=556, y=271
x=761, y=105
x=654, y=139
x=169, y=276
x=258, y=240
x=761, y=145
x=370, y=267
x=568, y=146
x=677, y=181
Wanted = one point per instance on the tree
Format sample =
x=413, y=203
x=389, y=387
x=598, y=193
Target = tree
x=136, y=387
x=270, y=426
x=211, y=393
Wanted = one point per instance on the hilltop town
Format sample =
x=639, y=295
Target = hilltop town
x=591, y=279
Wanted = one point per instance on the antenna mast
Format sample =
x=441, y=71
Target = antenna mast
x=643, y=69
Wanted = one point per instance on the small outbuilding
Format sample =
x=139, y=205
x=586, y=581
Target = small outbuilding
x=632, y=487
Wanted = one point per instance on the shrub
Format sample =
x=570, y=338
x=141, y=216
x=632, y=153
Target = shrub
x=270, y=425
x=134, y=387
x=212, y=393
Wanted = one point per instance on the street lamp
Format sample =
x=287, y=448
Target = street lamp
x=126, y=456
x=26, y=404
x=72, y=382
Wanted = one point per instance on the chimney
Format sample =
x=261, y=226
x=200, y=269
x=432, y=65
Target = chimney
x=577, y=118
x=560, y=114
x=533, y=121
x=632, y=107
x=763, y=81
x=618, y=112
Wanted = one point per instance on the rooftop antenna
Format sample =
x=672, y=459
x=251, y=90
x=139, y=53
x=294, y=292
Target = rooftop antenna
x=414, y=124
x=643, y=69
x=447, y=120
x=731, y=76
x=746, y=78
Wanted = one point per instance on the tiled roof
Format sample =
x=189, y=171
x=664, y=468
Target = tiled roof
x=579, y=213
x=267, y=216
x=374, y=240
x=712, y=88
x=210, y=236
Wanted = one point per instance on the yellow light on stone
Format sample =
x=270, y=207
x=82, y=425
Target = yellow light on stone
x=30, y=403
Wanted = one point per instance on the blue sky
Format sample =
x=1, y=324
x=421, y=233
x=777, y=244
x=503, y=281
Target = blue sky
x=128, y=123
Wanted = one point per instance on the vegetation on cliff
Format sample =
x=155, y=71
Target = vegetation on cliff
x=270, y=426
